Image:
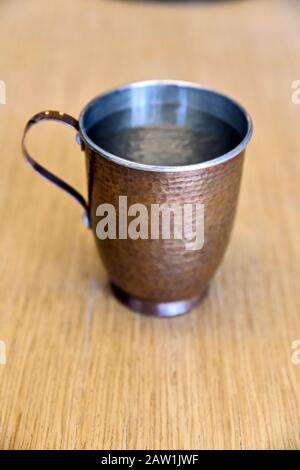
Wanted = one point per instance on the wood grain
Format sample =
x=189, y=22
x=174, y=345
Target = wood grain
x=82, y=371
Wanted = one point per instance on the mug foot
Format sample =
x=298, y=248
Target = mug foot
x=157, y=309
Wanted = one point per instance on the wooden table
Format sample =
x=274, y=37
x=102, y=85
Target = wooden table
x=81, y=370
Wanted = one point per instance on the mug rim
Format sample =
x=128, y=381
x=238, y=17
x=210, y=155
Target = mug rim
x=165, y=168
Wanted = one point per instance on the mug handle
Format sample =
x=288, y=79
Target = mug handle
x=71, y=122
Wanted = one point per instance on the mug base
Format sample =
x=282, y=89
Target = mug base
x=157, y=309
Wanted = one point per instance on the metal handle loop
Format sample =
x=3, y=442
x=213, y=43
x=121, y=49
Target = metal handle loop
x=71, y=122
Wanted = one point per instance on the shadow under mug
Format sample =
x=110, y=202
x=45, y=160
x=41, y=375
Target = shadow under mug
x=158, y=275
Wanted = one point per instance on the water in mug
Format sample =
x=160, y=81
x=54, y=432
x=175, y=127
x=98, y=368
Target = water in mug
x=152, y=138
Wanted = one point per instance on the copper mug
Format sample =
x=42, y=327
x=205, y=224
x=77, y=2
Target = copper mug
x=159, y=142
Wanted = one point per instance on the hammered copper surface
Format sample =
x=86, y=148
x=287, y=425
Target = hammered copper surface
x=163, y=270
x=158, y=271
